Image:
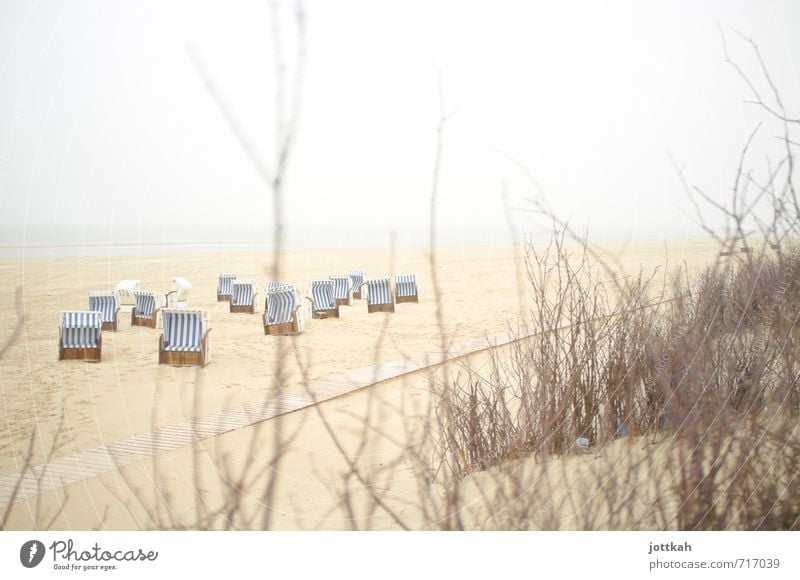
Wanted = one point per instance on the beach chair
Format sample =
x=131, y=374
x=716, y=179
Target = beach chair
x=323, y=304
x=145, y=312
x=379, y=295
x=276, y=286
x=106, y=304
x=124, y=292
x=282, y=312
x=356, y=281
x=178, y=297
x=224, y=287
x=80, y=336
x=406, y=288
x=341, y=290
x=185, y=338
x=243, y=297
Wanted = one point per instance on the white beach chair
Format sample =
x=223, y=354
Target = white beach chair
x=341, y=290
x=323, y=304
x=379, y=295
x=185, y=339
x=178, y=297
x=282, y=312
x=225, y=286
x=243, y=297
x=80, y=336
x=356, y=281
x=406, y=288
x=145, y=311
x=124, y=292
x=105, y=303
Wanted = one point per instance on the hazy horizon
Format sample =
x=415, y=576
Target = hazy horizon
x=105, y=125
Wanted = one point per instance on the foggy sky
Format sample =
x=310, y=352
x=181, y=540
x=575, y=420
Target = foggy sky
x=104, y=120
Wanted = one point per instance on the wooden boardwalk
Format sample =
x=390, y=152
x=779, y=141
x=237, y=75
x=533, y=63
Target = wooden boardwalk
x=71, y=469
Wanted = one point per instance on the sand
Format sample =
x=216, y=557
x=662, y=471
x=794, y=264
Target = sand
x=129, y=393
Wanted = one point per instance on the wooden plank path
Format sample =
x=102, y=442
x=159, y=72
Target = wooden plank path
x=71, y=469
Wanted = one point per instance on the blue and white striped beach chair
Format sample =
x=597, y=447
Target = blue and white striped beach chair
x=225, y=286
x=277, y=286
x=145, y=310
x=356, y=281
x=323, y=304
x=243, y=296
x=80, y=336
x=341, y=290
x=406, y=288
x=283, y=313
x=106, y=304
x=185, y=338
x=379, y=295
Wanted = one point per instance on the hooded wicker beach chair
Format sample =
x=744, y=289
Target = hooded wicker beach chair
x=341, y=290
x=124, y=292
x=243, y=297
x=356, y=281
x=80, y=336
x=277, y=286
x=323, y=304
x=406, y=288
x=379, y=295
x=145, y=311
x=282, y=312
x=225, y=286
x=185, y=339
x=106, y=304
x=178, y=297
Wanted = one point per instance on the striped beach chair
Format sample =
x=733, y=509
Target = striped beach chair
x=283, y=313
x=243, y=297
x=356, y=281
x=323, y=303
x=106, y=304
x=225, y=287
x=185, y=338
x=341, y=290
x=406, y=288
x=270, y=286
x=379, y=295
x=145, y=310
x=80, y=336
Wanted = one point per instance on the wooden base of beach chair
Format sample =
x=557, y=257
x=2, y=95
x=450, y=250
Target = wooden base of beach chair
x=111, y=325
x=281, y=329
x=357, y=295
x=84, y=354
x=183, y=358
x=344, y=301
x=321, y=314
x=401, y=299
x=223, y=297
x=380, y=307
x=147, y=322
x=246, y=308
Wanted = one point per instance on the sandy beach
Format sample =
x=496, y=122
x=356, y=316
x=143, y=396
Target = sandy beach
x=130, y=393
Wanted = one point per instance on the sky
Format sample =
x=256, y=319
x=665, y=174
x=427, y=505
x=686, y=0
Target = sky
x=106, y=125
